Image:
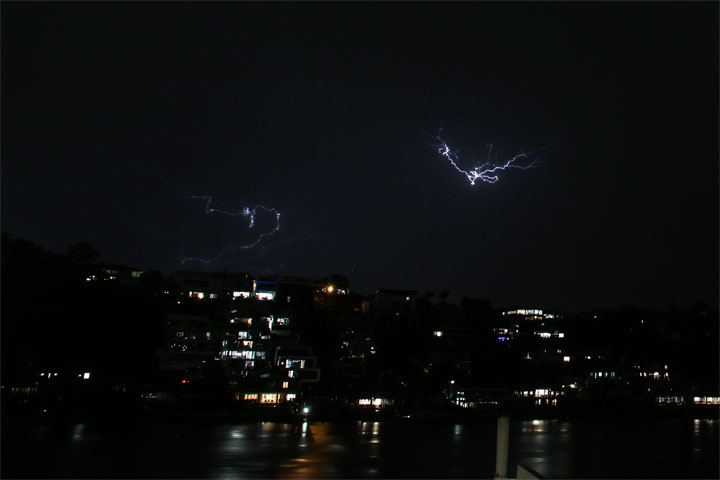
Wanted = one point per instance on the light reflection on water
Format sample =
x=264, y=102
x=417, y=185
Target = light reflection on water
x=615, y=449
x=660, y=449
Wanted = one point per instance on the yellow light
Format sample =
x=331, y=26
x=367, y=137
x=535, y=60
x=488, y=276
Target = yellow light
x=330, y=289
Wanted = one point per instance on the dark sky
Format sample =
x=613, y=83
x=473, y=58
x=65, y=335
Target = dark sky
x=111, y=113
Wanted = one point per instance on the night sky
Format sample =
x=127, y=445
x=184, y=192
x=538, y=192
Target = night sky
x=112, y=114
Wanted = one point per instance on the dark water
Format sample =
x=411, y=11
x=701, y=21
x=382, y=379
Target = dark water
x=555, y=449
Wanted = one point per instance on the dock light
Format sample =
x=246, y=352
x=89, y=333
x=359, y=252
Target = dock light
x=306, y=410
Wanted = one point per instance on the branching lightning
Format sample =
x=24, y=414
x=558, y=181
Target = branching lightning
x=211, y=207
x=487, y=172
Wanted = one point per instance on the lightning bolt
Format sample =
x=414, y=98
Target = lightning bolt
x=212, y=206
x=487, y=172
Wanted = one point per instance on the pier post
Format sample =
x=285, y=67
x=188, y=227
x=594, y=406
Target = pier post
x=501, y=455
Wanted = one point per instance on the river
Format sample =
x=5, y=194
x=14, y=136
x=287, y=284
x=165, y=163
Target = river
x=555, y=449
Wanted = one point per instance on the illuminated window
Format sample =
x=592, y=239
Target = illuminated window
x=438, y=333
x=251, y=396
x=268, y=398
x=208, y=335
x=285, y=384
x=213, y=296
x=265, y=296
x=197, y=295
x=237, y=294
x=86, y=376
x=566, y=359
x=561, y=335
x=179, y=334
x=364, y=401
x=136, y=274
x=242, y=334
x=290, y=397
x=282, y=321
x=247, y=343
x=295, y=364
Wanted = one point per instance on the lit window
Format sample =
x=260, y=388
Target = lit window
x=290, y=397
x=251, y=396
x=566, y=359
x=86, y=376
x=295, y=364
x=179, y=334
x=285, y=384
x=438, y=333
x=213, y=296
x=364, y=401
x=268, y=398
x=237, y=294
x=265, y=296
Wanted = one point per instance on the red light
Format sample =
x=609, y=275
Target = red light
x=186, y=381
